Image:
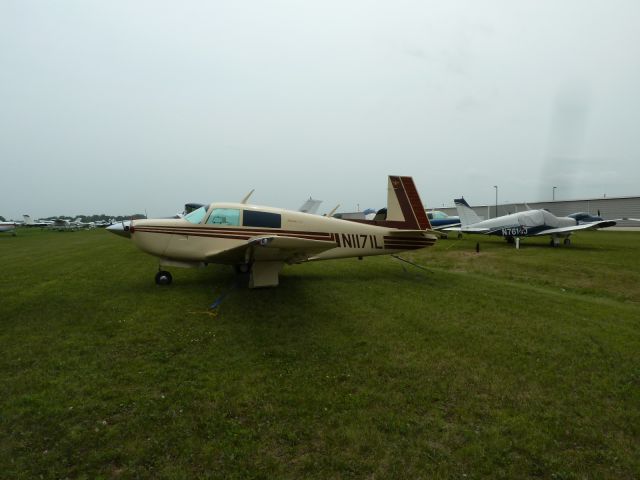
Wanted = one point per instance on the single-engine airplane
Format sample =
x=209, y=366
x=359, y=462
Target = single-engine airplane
x=28, y=222
x=530, y=223
x=260, y=240
x=440, y=220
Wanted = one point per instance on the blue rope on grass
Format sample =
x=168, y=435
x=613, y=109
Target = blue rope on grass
x=216, y=303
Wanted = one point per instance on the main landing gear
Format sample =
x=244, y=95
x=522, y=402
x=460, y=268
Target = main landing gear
x=242, y=268
x=163, y=278
x=555, y=241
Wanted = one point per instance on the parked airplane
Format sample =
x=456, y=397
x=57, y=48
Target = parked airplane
x=8, y=227
x=62, y=224
x=260, y=240
x=28, y=222
x=80, y=224
x=530, y=223
x=440, y=220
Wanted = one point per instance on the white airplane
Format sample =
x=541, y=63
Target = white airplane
x=28, y=222
x=530, y=223
x=261, y=240
x=8, y=227
x=62, y=224
x=80, y=224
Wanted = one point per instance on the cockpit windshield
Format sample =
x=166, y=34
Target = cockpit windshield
x=196, y=216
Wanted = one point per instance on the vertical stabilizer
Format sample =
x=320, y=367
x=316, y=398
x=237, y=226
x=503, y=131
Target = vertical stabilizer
x=404, y=204
x=27, y=220
x=310, y=206
x=404, y=211
x=466, y=213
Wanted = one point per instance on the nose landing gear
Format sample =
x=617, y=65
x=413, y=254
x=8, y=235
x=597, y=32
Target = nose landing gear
x=163, y=278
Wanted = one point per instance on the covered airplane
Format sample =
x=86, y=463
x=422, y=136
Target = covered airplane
x=261, y=240
x=530, y=223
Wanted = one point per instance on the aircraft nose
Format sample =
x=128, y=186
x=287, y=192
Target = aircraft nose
x=121, y=228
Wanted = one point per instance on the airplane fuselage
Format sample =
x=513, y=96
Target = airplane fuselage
x=260, y=240
x=7, y=227
x=522, y=224
x=181, y=240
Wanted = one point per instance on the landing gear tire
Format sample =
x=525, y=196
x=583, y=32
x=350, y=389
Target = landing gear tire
x=163, y=278
x=242, y=268
x=567, y=241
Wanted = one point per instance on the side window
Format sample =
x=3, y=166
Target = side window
x=252, y=218
x=224, y=216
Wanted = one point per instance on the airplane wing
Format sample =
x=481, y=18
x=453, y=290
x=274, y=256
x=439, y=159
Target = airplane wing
x=573, y=228
x=272, y=248
x=444, y=227
x=467, y=230
x=411, y=234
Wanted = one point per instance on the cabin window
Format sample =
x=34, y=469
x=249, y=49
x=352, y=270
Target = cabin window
x=252, y=218
x=224, y=216
x=196, y=216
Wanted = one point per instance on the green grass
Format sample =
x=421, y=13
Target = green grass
x=502, y=364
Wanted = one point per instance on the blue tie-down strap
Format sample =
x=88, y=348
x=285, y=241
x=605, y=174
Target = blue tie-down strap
x=216, y=303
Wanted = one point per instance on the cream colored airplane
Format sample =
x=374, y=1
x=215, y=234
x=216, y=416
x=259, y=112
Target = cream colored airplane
x=260, y=240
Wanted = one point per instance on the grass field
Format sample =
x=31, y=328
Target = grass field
x=502, y=364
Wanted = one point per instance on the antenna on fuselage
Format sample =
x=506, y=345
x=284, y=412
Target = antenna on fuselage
x=246, y=197
x=330, y=214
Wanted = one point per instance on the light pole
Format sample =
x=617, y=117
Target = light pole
x=496, y=187
x=553, y=194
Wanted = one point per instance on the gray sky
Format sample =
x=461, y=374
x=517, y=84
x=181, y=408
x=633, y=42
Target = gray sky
x=120, y=106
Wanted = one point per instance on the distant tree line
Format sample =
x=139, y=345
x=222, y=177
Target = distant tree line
x=93, y=218
x=98, y=218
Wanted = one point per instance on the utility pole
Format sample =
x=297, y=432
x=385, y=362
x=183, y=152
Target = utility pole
x=496, y=187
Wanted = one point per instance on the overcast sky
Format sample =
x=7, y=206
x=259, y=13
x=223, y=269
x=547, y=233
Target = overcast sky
x=120, y=106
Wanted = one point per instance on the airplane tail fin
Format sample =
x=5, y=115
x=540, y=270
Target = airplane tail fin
x=404, y=204
x=465, y=212
x=27, y=220
x=404, y=210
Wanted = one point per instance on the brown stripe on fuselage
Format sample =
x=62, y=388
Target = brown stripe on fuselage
x=229, y=232
x=192, y=234
x=237, y=229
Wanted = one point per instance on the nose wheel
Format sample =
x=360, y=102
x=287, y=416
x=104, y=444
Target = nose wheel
x=163, y=278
